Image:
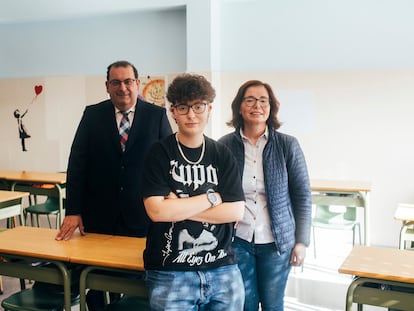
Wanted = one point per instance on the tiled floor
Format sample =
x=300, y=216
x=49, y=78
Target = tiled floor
x=319, y=286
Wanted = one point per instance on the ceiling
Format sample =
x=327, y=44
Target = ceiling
x=20, y=11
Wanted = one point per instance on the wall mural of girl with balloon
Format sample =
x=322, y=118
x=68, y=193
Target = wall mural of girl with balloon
x=23, y=134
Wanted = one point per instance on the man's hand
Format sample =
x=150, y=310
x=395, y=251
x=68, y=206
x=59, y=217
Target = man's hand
x=69, y=225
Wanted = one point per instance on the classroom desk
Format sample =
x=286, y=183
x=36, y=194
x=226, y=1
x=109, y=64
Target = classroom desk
x=405, y=213
x=10, y=207
x=22, y=245
x=376, y=269
x=92, y=252
x=11, y=204
x=25, y=181
x=110, y=266
x=342, y=192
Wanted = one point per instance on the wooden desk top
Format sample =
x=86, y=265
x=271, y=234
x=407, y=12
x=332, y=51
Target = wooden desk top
x=340, y=185
x=380, y=263
x=405, y=212
x=91, y=249
x=11, y=195
x=34, y=242
x=108, y=251
x=35, y=177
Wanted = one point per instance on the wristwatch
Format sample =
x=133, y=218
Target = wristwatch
x=211, y=197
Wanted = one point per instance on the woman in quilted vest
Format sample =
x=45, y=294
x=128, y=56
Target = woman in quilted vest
x=275, y=230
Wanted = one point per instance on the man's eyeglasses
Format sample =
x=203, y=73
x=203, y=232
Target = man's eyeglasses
x=251, y=101
x=117, y=83
x=197, y=108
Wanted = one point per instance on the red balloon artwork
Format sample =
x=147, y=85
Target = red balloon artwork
x=38, y=89
x=23, y=134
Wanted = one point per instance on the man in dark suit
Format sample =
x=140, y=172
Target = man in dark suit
x=103, y=181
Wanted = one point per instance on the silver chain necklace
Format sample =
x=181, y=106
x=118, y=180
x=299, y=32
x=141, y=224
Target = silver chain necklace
x=183, y=155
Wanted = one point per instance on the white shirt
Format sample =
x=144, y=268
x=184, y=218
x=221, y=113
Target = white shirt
x=256, y=221
x=118, y=116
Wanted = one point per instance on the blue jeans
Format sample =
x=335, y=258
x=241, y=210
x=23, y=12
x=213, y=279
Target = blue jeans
x=219, y=289
x=265, y=274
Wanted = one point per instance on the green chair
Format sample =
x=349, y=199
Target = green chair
x=405, y=213
x=407, y=235
x=41, y=297
x=49, y=207
x=35, y=300
x=44, y=296
x=337, y=218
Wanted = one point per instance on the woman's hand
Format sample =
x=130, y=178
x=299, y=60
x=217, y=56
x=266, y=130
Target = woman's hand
x=298, y=255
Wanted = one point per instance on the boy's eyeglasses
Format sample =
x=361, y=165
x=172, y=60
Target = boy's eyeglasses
x=197, y=108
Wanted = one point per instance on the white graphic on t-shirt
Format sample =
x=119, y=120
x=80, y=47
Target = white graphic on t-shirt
x=195, y=175
x=166, y=252
x=205, y=242
x=200, y=249
x=190, y=248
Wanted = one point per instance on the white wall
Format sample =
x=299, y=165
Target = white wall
x=279, y=35
x=154, y=41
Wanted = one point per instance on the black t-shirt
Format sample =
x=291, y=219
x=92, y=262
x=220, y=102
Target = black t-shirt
x=190, y=245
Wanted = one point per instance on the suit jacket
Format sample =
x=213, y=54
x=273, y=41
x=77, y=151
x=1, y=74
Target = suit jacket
x=103, y=183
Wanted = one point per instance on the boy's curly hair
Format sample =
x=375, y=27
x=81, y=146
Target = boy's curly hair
x=187, y=87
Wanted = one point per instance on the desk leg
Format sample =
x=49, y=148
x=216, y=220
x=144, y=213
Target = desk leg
x=61, y=210
x=367, y=213
x=66, y=284
x=350, y=294
x=82, y=288
x=21, y=217
x=402, y=232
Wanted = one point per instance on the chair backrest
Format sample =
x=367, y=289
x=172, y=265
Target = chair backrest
x=52, y=202
x=351, y=213
x=335, y=213
x=404, y=212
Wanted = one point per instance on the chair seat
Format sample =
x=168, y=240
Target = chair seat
x=409, y=234
x=49, y=207
x=43, y=209
x=128, y=303
x=34, y=299
x=332, y=224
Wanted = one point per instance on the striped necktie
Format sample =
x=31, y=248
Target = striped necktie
x=124, y=127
